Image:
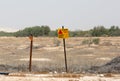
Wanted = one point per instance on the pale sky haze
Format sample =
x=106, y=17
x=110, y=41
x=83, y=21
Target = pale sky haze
x=73, y=14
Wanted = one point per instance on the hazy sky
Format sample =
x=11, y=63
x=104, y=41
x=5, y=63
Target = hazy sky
x=73, y=14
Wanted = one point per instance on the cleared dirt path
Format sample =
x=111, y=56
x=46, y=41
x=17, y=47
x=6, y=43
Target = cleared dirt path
x=58, y=77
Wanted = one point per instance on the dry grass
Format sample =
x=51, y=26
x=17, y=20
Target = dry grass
x=108, y=75
x=80, y=57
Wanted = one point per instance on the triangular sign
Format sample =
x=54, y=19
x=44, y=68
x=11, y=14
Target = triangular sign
x=60, y=32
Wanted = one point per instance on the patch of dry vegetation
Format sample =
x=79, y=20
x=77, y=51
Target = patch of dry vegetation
x=80, y=57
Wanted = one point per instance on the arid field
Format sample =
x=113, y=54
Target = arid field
x=48, y=55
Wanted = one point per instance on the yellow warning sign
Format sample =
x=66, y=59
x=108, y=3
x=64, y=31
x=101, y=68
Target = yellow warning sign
x=63, y=33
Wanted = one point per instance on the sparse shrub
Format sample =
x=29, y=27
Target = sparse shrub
x=108, y=75
x=91, y=41
x=96, y=41
x=21, y=68
x=56, y=42
x=87, y=41
x=106, y=43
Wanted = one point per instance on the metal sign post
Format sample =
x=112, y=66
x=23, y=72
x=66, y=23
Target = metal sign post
x=65, y=52
x=31, y=46
x=64, y=33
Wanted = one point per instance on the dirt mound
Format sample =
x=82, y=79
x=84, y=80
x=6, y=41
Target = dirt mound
x=111, y=67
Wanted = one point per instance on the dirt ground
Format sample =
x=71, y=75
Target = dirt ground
x=59, y=77
x=46, y=52
x=48, y=56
